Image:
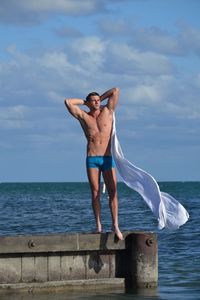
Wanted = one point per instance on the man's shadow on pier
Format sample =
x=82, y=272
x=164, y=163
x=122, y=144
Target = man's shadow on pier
x=95, y=262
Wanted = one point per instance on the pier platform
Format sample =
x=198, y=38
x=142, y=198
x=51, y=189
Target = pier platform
x=78, y=261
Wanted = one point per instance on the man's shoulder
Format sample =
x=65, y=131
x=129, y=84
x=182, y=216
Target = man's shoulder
x=84, y=114
x=105, y=109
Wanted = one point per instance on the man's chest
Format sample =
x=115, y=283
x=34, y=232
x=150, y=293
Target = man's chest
x=100, y=124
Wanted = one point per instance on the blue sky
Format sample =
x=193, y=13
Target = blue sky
x=51, y=50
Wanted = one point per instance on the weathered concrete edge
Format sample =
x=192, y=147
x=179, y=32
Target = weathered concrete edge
x=68, y=285
x=62, y=242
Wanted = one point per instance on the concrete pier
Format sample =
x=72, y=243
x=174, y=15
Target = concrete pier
x=74, y=262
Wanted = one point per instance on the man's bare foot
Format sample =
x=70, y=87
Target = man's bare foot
x=98, y=229
x=118, y=233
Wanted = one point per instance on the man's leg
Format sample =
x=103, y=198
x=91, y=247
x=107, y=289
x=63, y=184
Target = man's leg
x=111, y=185
x=94, y=181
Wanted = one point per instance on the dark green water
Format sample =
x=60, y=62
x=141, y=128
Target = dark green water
x=33, y=208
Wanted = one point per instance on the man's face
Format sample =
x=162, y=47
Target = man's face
x=94, y=102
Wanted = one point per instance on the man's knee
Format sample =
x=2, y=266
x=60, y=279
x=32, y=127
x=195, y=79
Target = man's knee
x=112, y=193
x=95, y=193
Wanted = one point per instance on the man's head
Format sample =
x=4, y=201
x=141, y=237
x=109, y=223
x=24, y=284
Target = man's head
x=93, y=100
x=90, y=95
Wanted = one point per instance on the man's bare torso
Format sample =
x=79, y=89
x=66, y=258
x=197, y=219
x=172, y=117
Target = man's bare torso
x=97, y=129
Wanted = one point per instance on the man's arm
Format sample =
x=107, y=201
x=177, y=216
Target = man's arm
x=113, y=96
x=73, y=107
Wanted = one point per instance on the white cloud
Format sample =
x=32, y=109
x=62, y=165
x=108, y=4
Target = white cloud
x=179, y=42
x=144, y=93
x=126, y=59
x=55, y=60
x=190, y=37
x=143, y=38
x=115, y=27
x=158, y=40
x=72, y=7
x=13, y=117
x=55, y=97
x=29, y=12
x=182, y=41
x=90, y=53
x=13, y=113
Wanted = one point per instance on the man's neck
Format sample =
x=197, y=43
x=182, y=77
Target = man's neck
x=95, y=113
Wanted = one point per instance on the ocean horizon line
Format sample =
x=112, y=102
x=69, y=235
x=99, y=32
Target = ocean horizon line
x=120, y=181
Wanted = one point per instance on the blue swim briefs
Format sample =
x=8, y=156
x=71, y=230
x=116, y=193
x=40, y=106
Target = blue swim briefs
x=102, y=163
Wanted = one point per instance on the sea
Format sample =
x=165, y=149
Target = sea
x=47, y=208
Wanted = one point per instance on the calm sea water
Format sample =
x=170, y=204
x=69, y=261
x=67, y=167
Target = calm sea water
x=40, y=208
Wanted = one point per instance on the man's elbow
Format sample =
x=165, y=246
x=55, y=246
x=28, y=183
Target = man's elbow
x=66, y=102
x=116, y=90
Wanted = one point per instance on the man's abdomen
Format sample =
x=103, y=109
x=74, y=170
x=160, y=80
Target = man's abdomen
x=99, y=147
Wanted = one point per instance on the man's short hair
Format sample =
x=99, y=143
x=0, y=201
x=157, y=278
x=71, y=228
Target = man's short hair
x=91, y=94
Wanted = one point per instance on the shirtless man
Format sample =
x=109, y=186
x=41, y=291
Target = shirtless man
x=97, y=126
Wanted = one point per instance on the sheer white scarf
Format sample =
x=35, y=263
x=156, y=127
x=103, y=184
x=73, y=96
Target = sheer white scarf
x=168, y=211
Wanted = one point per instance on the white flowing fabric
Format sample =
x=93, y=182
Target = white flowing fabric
x=168, y=211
